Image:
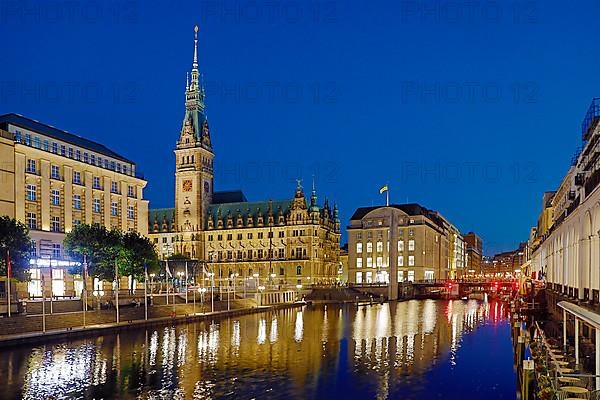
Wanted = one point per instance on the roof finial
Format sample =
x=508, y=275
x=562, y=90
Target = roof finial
x=195, y=64
x=187, y=80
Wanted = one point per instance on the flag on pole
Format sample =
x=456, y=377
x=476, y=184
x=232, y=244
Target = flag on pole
x=167, y=269
x=8, y=274
x=384, y=189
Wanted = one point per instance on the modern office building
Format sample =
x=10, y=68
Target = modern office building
x=53, y=180
x=474, y=253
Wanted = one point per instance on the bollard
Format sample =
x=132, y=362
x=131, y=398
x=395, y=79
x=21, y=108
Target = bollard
x=527, y=387
x=520, y=351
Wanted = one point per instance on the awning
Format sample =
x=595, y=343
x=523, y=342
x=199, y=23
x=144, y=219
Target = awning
x=583, y=314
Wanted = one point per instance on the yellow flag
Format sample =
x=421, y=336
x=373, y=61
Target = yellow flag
x=383, y=189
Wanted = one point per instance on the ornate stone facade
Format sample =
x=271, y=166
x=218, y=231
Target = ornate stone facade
x=284, y=242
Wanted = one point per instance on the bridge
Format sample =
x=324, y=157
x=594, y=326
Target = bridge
x=440, y=287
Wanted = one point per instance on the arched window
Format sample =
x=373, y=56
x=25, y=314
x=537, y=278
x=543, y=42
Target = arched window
x=299, y=270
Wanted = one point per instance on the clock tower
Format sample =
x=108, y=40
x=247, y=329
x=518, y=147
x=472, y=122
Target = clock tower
x=193, y=167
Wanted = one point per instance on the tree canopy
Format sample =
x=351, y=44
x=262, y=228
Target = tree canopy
x=14, y=239
x=104, y=247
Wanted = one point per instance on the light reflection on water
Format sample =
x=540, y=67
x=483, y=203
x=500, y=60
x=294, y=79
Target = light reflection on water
x=414, y=349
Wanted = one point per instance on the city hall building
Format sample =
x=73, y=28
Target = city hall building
x=272, y=242
x=52, y=180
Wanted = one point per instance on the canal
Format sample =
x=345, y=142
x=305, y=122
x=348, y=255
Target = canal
x=419, y=349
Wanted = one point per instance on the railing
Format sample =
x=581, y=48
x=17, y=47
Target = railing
x=592, y=182
x=591, y=119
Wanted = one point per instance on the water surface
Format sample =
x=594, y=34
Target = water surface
x=410, y=350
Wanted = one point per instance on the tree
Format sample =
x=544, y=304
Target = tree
x=14, y=238
x=100, y=246
x=138, y=252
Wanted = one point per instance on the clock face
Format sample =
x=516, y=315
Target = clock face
x=187, y=185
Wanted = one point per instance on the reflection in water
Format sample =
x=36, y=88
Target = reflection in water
x=414, y=349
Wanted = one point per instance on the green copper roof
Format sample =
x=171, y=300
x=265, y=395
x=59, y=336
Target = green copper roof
x=249, y=208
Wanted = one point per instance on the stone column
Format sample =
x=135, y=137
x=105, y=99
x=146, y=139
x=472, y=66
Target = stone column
x=393, y=254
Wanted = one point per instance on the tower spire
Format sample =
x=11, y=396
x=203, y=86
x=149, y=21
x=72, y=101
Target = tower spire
x=195, y=63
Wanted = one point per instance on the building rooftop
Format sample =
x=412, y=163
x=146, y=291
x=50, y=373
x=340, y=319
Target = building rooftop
x=410, y=209
x=50, y=131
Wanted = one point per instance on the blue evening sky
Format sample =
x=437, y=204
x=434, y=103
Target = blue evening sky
x=469, y=108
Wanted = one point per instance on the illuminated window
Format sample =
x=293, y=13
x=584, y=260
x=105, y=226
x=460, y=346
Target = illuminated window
x=369, y=247
x=379, y=247
x=359, y=248
x=411, y=245
x=359, y=277
x=359, y=263
x=411, y=276
x=400, y=276
x=98, y=287
x=411, y=261
x=55, y=250
x=58, y=282
x=379, y=262
x=400, y=261
x=34, y=286
x=400, y=245
x=369, y=277
x=429, y=275
x=369, y=262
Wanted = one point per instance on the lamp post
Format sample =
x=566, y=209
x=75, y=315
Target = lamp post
x=272, y=280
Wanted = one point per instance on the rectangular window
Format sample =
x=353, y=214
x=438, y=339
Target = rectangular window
x=54, y=147
x=77, y=178
x=105, y=163
x=379, y=262
x=401, y=261
x=400, y=245
x=369, y=262
x=411, y=245
x=400, y=276
x=17, y=136
x=86, y=158
x=359, y=248
x=130, y=191
x=260, y=235
x=250, y=236
x=31, y=166
x=210, y=238
x=130, y=212
x=359, y=262
x=260, y=253
x=31, y=193
x=369, y=277
x=359, y=236
x=62, y=149
x=28, y=139
x=32, y=220
x=78, y=155
x=112, y=165
x=55, y=225
x=34, y=286
x=96, y=183
x=36, y=142
x=70, y=152
x=114, y=187
x=229, y=236
x=281, y=253
x=239, y=236
x=77, y=201
x=76, y=222
x=93, y=159
x=55, y=197
x=96, y=205
x=55, y=172
x=411, y=276
x=411, y=261
x=359, y=277
x=369, y=247
x=379, y=247
x=114, y=209
x=411, y=232
x=281, y=234
x=45, y=145
x=428, y=275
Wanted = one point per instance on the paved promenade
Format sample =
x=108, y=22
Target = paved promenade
x=29, y=328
